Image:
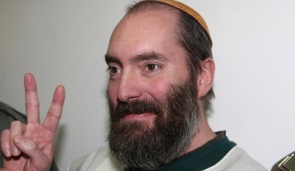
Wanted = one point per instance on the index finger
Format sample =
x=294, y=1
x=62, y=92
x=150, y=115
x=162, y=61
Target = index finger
x=32, y=101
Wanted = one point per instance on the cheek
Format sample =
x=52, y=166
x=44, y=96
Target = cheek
x=158, y=90
x=112, y=93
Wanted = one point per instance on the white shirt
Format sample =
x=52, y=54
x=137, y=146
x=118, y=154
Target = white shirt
x=101, y=160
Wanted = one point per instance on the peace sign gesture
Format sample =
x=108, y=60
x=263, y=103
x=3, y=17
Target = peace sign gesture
x=30, y=147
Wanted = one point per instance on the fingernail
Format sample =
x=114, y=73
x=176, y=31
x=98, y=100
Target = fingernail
x=15, y=151
x=17, y=140
x=7, y=152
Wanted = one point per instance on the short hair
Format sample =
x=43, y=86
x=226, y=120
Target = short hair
x=191, y=36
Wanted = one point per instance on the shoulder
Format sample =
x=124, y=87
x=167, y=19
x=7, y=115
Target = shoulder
x=9, y=114
x=100, y=159
x=237, y=159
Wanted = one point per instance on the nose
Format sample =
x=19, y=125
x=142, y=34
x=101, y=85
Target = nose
x=129, y=87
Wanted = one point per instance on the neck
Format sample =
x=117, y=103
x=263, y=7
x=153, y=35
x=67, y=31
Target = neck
x=201, y=136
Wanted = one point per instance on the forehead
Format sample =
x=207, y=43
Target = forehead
x=144, y=31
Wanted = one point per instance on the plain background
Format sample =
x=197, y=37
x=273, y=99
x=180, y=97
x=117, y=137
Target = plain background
x=64, y=42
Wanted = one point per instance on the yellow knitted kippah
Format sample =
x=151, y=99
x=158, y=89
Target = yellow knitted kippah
x=189, y=11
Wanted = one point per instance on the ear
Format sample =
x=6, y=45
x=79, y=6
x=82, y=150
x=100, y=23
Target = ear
x=206, y=77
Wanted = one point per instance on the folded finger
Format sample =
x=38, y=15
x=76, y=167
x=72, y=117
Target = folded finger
x=55, y=111
x=37, y=158
x=5, y=143
x=2, y=169
x=32, y=102
x=16, y=128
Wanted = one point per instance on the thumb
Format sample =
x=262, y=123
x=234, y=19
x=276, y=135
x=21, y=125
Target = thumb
x=38, y=159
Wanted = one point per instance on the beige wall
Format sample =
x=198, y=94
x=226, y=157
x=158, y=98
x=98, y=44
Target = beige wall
x=64, y=42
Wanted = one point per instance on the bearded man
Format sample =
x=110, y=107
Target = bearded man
x=160, y=86
x=161, y=75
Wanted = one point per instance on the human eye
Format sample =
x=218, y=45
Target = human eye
x=152, y=67
x=113, y=70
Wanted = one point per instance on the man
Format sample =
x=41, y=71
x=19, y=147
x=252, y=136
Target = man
x=161, y=75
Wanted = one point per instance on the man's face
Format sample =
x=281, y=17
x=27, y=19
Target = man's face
x=152, y=104
x=144, y=59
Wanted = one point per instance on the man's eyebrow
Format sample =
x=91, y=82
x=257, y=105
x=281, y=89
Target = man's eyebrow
x=148, y=56
x=136, y=58
x=110, y=59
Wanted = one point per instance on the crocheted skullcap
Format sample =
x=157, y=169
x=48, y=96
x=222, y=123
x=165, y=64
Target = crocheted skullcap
x=188, y=10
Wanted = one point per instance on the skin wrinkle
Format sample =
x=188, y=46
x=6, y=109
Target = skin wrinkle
x=148, y=56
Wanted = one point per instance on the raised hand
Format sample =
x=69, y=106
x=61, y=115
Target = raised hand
x=30, y=147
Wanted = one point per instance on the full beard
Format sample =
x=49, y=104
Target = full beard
x=139, y=145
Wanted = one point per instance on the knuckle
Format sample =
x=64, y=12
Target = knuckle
x=53, y=115
x=16, y=124
x=5, y=133
x=32, y=105
x=30, y=145
x=5, y=136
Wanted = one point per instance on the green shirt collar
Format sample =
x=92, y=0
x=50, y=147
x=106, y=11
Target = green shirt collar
x=201, y=158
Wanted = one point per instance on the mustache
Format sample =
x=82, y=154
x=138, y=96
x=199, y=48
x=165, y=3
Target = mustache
x=137, y=107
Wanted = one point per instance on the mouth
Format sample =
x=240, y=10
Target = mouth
x=141, y=117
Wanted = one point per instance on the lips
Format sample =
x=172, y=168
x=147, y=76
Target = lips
x=137, y=110
x=139, y=117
